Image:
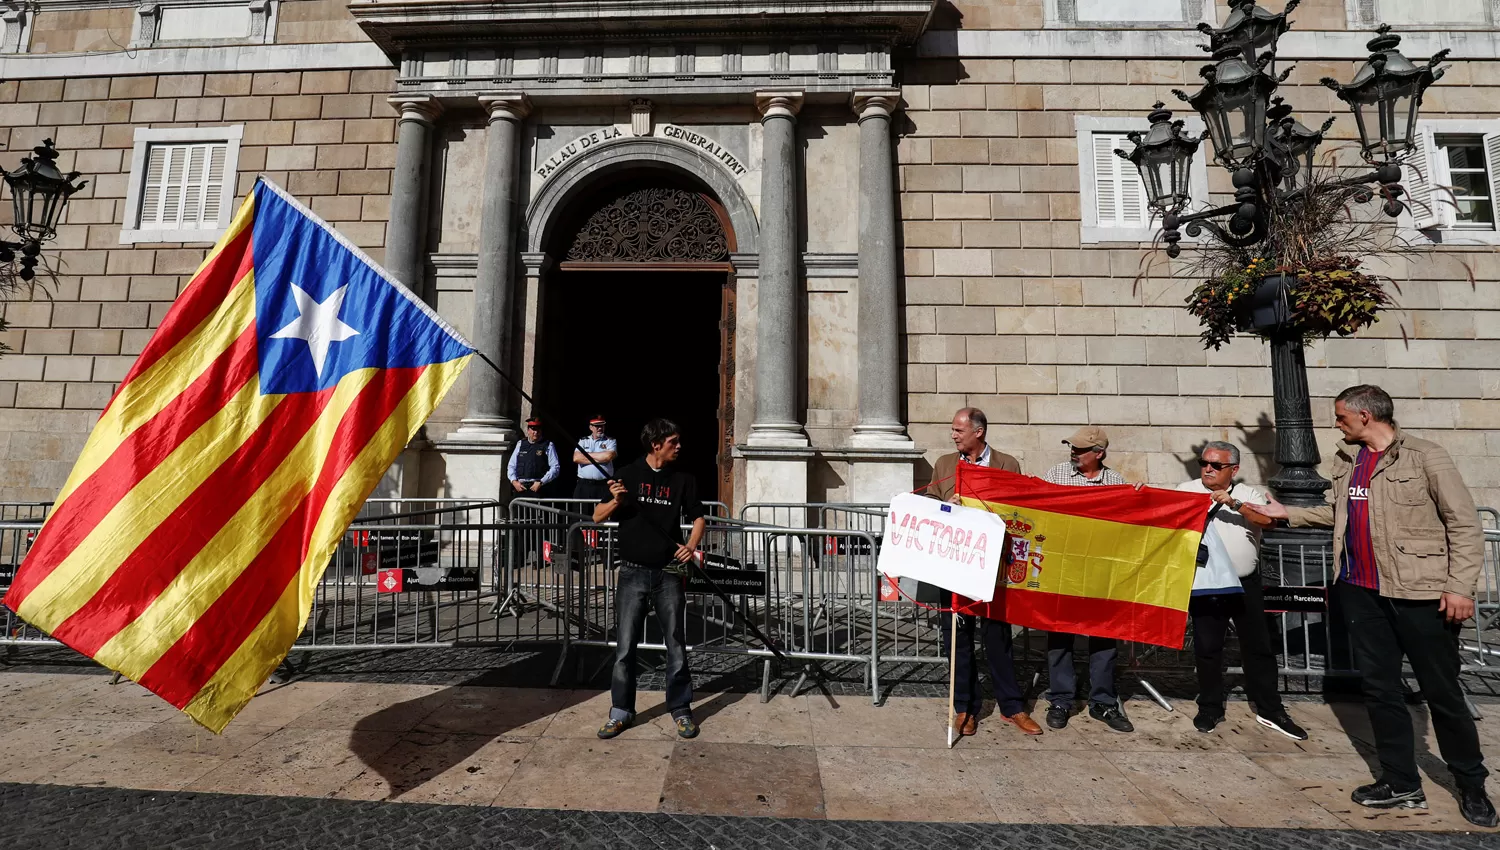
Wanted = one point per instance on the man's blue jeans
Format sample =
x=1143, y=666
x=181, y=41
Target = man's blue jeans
x=634, y=587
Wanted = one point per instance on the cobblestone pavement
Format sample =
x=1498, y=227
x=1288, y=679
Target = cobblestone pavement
x=40, y=817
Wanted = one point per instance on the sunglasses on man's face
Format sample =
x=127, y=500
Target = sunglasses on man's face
x=1083, y=451
x=1215, y=464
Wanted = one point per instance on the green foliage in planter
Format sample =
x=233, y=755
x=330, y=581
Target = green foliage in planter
x=1331, y=296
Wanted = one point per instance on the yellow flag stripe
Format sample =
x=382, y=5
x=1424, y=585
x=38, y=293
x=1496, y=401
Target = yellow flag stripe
x=148, y=504
x=135, y=648
x=237, y=680
x=139, y=402
x=1107, y=560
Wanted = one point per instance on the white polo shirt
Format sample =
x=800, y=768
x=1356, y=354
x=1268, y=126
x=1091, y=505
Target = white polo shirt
x=1241, y=537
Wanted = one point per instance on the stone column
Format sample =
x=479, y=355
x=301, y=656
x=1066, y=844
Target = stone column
x=879, y=299
x=494, y=285
x=776, y=359
x=405, y=242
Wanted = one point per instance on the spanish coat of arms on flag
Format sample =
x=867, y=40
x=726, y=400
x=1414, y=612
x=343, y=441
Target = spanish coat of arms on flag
x=186, y=545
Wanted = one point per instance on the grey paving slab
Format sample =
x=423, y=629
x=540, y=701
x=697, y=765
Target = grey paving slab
x=42, y=817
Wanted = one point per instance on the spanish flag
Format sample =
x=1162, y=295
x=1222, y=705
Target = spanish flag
x=184, y=550
x=1107, y=561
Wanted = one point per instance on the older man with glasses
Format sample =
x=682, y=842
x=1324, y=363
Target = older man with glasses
x=1085, y=468
x=1239, y=528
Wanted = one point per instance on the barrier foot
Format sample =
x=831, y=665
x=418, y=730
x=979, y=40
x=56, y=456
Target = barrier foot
x=765, y=681
x=115, y=679
x=562, y=658
x=1156, y=695
x=283, y=674
x=797, y=688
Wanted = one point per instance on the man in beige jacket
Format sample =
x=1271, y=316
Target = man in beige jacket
x=1409, y=549
x=970, y=428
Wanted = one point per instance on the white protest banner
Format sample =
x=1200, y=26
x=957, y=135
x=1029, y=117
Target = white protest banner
x=954, y=547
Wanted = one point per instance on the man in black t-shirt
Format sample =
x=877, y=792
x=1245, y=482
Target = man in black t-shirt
x=651, y=500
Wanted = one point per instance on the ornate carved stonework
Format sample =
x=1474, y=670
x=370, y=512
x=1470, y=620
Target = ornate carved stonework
x=652, y=226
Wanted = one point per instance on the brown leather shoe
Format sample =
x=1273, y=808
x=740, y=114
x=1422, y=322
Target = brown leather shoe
x=971, y=724
x=1021, y=720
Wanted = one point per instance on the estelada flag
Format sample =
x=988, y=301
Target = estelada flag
x=1107, y=561
x=185, y=547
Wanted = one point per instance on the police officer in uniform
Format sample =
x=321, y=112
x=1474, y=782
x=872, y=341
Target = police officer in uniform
x=533, y=465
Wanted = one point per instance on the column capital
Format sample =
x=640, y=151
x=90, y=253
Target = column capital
x=778, y=104
x=507, y=106
x=416, y=107
x=875, y=103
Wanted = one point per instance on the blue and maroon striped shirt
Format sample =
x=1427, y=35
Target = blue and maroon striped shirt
x=1359, y=549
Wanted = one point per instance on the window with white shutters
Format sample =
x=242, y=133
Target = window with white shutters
x=1119, y=194
x=1452, y=181
x=182, y=184
x=1111, y=197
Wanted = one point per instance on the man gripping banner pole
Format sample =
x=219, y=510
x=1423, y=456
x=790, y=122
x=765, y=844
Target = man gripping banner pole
x=185, y=547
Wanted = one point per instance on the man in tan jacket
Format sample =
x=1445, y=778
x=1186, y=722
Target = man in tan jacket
x=1409, y=549
x=970, y=427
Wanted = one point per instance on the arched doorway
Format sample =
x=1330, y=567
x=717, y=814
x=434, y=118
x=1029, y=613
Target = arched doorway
x=638, y=316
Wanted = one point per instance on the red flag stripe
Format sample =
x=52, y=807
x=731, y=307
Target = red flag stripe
x=198, y=302
x=1108, y=618
x=183, y=670
x=82, y=511
x=1119, y=503
x=151, y=567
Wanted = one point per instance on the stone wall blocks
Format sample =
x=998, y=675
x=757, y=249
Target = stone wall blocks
x=370, y=130
x=276, y=83
x=936, y=407
x=935, y=124
x=1096, y=322
x=1443, y=324
x=46, y=91
x=347, y=106
x=960, y=151
x=1477, y=354
x=916, y=98
x=1416, y=354
x=22, y=367
x=1026, y=320
x=997, y=349
x=965, y=96
x=300, y=107
x=911, y=151
x=966, y=320
x=1148, y=380
x=83, y=88
x=1023, y=263
x=937, y=290
x=989, y=123
x=375, y=208
x=87, y=396
x=1042, y=71
x=103, y=342
x=1043, y=125
x=325, y=82
x=247, y=109
x=1018, y=151
x=201, y=110
x=1021, y=207
x=932, y=234
x=966, y=379
x=133, y=342
x=337, y=207
x=915, y=206
x=921, y=379
x=380, y=156
x=991, y=178
x=377, y=81
x=1174, y=351
x=991, y=234
x=1027, y=379
x=1059, y=350
x=116, y=137
x=346, y=157
x=1107, y=410
x=994, y=291
x=1177, y=411
x=957, y=206
x=1433, y=413
x=1074, y=98
x=82, y=263
x=1088, y=380
x=365, y=234
x=76, y=315
x=1207, y=380
x=132, y=88
x=958, y=262
x=364, y=182
x=68, y=368
x=42, y=341
x=932, y=178
x=61, y=112
x=1057, y=409
x=127, y=315
x=989, y=71
x=20, y=114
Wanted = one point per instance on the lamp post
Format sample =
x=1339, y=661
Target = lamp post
x=39, y=193
x=1271, y=158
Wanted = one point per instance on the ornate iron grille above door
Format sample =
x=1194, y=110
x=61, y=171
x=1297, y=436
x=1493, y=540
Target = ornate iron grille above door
x=659, y=225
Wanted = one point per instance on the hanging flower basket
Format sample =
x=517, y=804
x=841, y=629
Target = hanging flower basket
x=1315, y=300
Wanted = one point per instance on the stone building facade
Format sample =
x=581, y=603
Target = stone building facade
x=824, y=225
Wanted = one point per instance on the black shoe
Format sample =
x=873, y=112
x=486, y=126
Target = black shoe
x=1283, y=723
x=686, y=728
x=1207, y=720
x=1111, y=716
x=1381, y=796
x=1476, y=807
x=1057, y=717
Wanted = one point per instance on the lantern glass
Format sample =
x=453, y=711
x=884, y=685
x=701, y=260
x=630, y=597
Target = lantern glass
x=1233, y=105
x=1163, y=155
x=39, y=192
x=1386, y=95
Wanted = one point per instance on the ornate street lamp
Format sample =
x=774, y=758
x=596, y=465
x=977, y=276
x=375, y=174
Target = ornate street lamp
x=39, y=193
x=1272, y=158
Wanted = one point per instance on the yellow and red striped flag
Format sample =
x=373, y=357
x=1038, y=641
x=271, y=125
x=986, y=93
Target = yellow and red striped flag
x=1107, y=561
x=186, y=545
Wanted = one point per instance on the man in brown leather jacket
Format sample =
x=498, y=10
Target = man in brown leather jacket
x=970, y=427
x=1409, y=549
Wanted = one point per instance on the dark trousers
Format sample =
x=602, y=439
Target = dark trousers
x=1211, y=618
x=1062, y=680
x=634, y=587
x=967, y=696
x=589, y=489
x=1380, y=630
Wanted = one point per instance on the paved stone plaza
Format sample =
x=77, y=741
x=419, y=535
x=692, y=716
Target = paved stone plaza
x=521, y=767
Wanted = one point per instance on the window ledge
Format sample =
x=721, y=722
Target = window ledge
x=1457, y=238
x=201, y=236
x=1092, y=234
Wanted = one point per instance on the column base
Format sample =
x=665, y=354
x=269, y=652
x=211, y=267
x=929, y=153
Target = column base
x=777, y=435
x=474, y=468
x=881, y=437
x=775, y=475
x=486, y=429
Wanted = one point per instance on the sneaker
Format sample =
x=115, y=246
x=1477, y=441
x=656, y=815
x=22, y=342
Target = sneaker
x=1381, y=796
x=1283, y=723
x=1111, y=716
x=1207, y=720
x=686, y=728
x=1057, y=717
x=611, y=728
x=1476, y=807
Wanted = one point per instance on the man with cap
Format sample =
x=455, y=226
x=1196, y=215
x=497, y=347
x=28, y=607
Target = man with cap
x=533, y=465
x=1084, y=469
x=593, y=484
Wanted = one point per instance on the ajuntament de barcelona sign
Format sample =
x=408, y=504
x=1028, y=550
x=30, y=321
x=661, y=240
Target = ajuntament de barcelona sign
x=604, y=135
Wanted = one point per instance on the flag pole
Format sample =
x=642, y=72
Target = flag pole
x=692, y=563
x=952, y=673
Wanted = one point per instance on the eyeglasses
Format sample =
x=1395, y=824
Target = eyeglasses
x=1215, y=464
x=1083, y=450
